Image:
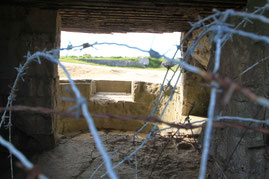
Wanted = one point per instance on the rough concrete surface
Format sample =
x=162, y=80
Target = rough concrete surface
x=243, y=153
x=194, y=92
x=138, y=103
x=22, y=32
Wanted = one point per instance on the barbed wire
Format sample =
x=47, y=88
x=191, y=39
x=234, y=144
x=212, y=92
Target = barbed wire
x=220, y=30
x=80, y=103
x=187, y=126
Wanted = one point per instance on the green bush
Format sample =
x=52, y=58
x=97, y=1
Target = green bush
x=86, y=56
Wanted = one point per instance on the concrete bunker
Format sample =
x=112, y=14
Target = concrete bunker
x=35, y=25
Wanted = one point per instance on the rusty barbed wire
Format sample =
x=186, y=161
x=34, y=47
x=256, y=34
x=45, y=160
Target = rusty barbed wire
x=80, y=107
x=221, y=32
x=187, y=126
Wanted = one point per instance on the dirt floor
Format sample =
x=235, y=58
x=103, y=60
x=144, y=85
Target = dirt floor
x=81, y=71
x=76, y=157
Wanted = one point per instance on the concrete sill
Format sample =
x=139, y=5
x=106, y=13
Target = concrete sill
x=112, y=96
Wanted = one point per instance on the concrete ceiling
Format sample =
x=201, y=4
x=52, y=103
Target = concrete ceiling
x=106, y=16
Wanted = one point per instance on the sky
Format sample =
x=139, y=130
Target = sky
x=163, y=43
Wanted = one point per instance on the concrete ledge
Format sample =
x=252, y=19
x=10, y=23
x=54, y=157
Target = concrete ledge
x=112, y=96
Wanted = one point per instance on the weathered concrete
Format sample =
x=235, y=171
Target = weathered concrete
x=194, y=93
x=143, y=97
x=113, y=86
x=23, y=30
x=203, y=51
x=193, y=88
x=140, y=102
x=243, y=153
x=128, y=16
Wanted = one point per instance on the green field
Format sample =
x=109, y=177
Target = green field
x=154, y=63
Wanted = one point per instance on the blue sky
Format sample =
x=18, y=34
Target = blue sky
x=163, y=43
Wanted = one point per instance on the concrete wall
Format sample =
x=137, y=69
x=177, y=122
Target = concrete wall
x=22, y=30
x=113, y=86
x=250, y=159
x=143, y=94
x=193, y=86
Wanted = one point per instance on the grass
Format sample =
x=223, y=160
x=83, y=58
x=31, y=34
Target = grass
x=154, y=63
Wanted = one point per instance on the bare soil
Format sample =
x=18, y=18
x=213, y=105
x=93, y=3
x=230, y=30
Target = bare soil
x=76, y=157
x=81, y=71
